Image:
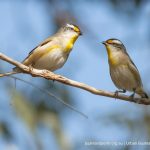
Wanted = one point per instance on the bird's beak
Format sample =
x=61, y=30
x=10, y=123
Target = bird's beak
x=80, y=33
x=104, y=42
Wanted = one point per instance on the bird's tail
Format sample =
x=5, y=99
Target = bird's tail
x=142, y=93
x=8, y=73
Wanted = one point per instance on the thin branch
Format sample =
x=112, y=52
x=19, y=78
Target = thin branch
x=50, y=94
x=51, y=76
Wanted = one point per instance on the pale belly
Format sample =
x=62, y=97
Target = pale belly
x=123, y=78
x=51, y=61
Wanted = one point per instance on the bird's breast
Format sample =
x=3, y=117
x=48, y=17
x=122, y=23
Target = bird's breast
x=69, y=46
x=69, y=43
x=114, y=59
x=52, y=61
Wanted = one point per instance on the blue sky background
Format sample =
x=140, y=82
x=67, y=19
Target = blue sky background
x=24, y=24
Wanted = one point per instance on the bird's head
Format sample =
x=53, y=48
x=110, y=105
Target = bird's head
x=114, y=45
x=71, y=30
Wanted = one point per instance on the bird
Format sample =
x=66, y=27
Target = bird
x=52, y=53
x=123, y=71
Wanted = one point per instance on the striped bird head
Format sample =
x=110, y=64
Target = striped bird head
x=71, y=30
x=113, y=45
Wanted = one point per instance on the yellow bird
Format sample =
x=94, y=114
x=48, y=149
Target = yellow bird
x=52, y=53
x=123, y=71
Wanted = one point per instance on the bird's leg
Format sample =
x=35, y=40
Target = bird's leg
x=132, y=95
x=119, y=91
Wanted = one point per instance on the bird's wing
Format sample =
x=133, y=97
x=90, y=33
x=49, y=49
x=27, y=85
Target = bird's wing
x=39, y=51
x=134, y=69
x=135, y=72
x=41, y=44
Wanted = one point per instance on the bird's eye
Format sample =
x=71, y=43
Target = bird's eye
x=69, y=28
x=117, y=45
x=114, y=44
x=72, y=29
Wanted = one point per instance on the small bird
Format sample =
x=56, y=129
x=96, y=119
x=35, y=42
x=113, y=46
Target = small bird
x=53, y=52
x=123, y=71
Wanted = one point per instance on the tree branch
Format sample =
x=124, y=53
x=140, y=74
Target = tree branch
x=51, y=76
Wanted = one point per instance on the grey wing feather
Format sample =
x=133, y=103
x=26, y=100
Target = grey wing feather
x=32, y=51
x=129, y=57
x=41, y=44
x=135, y=71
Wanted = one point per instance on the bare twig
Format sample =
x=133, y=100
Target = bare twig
x=50, y=94
x=51, y=76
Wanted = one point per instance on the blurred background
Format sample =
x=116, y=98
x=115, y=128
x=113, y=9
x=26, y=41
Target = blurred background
x=30, y=119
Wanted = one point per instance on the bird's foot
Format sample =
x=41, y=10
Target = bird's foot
x=136, y=101
x=119, y=91
x=132, y=95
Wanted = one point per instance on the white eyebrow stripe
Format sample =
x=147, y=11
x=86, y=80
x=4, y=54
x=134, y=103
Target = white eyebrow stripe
x=117, y=42
x=70, y=25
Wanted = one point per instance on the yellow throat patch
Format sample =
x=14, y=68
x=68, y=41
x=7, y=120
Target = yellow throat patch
x=112, y=60
x=70, y=44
